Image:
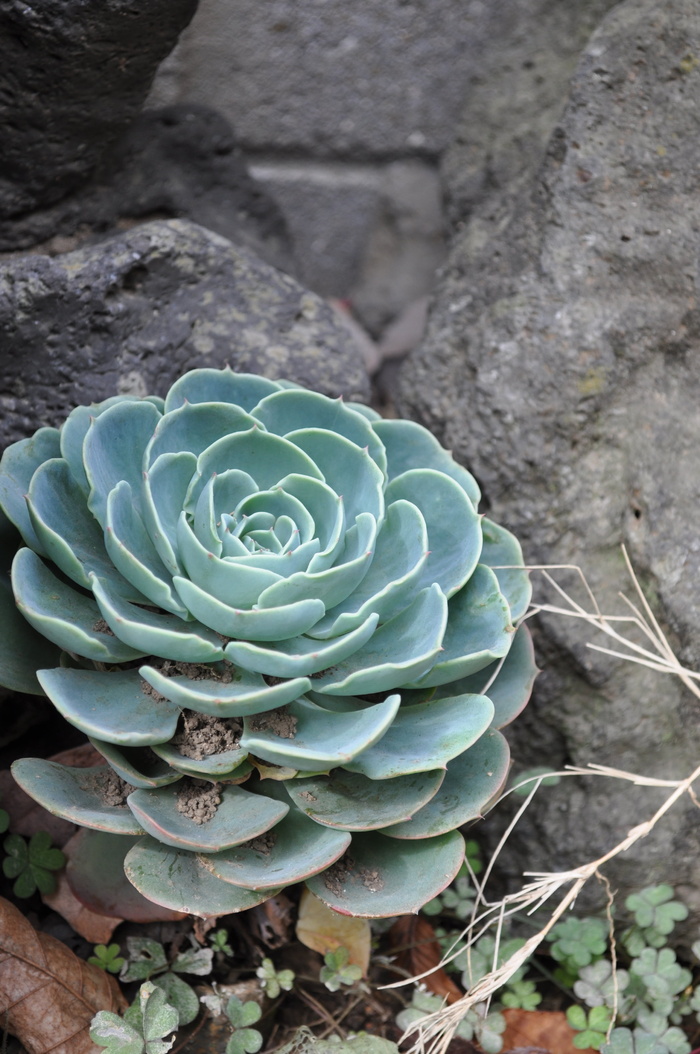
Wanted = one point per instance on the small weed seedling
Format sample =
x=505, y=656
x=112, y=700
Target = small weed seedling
x=272, y=980
x=107, y=957
x=31, y=863
x=338, y=970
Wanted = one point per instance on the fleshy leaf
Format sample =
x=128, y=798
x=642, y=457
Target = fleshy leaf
x=22, y=649
x=301, y=655
x=352, y=802
x=63, y=615
x=382, y=877
x=178, y=880
x=478, y=630
x=408, y=445
x=221, y=386
x=17, y=466
x=425, y=736
x=501, y=550
x=239, y=817
x=246, y=693
x=75, y=794
x=471, y=782
x=113, y=706
x=350, y=471
x=163, y=635
x=165, y=488
x=293, y=850
x=138, y=766
x=194, y=427
x=313, y=738
x=113, y=450
x=401, y=650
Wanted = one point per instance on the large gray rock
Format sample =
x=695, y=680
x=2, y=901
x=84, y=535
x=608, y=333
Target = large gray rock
x=74, y=73
x=561, y=366
x=135, y=311
x=179, y=162
x=360, y=80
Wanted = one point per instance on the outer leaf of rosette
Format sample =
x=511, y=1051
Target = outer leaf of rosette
x=290, y=410
x=68, y=532
x=408, y=445
x=350, y=471
x=471, y=782
x=333, y=584
x=228, y=581
x=18, y=464
x=22, y=649
x=292, y=851
x=290, y=620
x=400, y=552
x=133, y=553
x=246, y=694
x=478, y=631
x=401, y=650
x=508, y=682
x=425, y=737
x=177, y=879
x=454, y=526
x=111, y=706
x=165, y=488
x=501, y=550
x=301, y=655
x=221, y=386
x=239, y=817
x=230, y=765
x=322, y=738
x=74, y=795
x=163, y=635
x=62, y=614
x=113, y=450
x=138, y=766
x=352, y=802
x=386, y=877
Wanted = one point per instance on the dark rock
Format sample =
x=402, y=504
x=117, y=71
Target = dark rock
x=180, y=162
x=132, y=313
x=561, y=366
x=74, y=73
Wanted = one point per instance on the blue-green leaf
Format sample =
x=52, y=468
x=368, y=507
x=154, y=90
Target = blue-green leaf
x=408, y=445
x=352, y=802
x=113, y=450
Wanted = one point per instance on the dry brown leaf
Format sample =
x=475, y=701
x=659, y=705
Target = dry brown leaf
x=547, y=1029
x=271, y=921
x=416, y=949
x=324, y=930
x=48, y=996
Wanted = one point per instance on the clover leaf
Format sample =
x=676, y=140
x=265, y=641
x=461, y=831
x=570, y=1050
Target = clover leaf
x=338, y=970
x=654, y=907
x=625, y=1041
x=142, y=1029
x=592, y=1026
x=107, y=957
x=273, y=980
x=662, y=977
x=597, y=986
x=244, y=1040
x=578, y=942
x=521, y=995
x=32, y=863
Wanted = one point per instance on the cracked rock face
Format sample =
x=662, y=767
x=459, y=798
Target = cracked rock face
x=134, y=312
x=104, y=57
x=561, y=366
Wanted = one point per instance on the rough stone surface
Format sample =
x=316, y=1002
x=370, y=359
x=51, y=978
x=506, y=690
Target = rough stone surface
x=178, y=162
x=561, y=365
x=134, y=312
x=327, y=78
x=74, y=73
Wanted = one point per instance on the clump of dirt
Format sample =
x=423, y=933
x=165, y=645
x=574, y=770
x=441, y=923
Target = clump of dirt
x=336, y=877
x=198, y=799
x=110, y=788
x=308, y=796
x=280, y=722
x=201, y=735
x=264, y=843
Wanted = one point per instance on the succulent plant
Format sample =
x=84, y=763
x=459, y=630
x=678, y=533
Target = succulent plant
x=286, y=629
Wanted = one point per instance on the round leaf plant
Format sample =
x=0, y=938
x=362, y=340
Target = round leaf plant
x=285, y=627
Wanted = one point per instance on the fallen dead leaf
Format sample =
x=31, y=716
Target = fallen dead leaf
x=48, y=996
x=324, y=930
x=546, y=1029
x=416, y=949
x=271, y=921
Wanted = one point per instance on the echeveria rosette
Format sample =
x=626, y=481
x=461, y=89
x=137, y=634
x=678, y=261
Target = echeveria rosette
x=293, y=567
